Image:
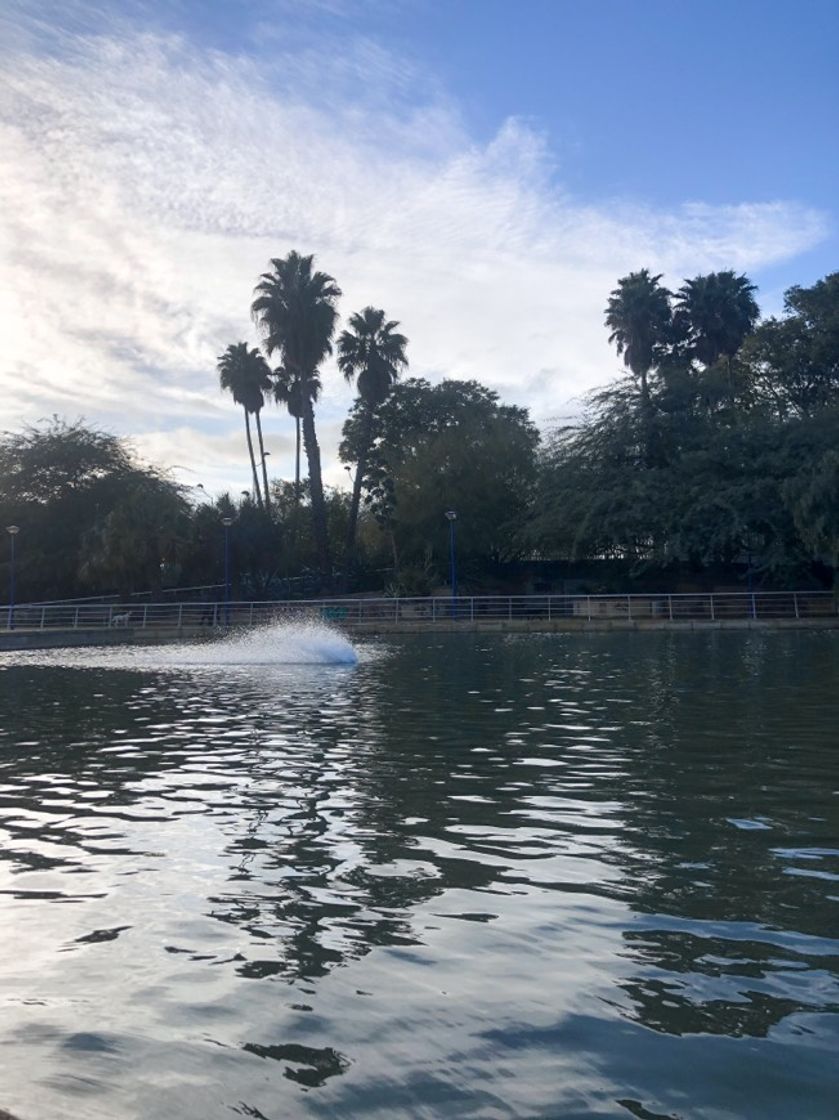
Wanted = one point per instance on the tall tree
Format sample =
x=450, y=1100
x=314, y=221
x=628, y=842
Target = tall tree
x=295, y=308
x=794, y=360
x=373, y=353
x=289, y=391
x=244, y=374
x=64, y=484
x=438, y=447
x=638, y=316
x=716, y=313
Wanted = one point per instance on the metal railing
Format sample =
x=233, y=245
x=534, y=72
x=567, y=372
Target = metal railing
x=699, y=607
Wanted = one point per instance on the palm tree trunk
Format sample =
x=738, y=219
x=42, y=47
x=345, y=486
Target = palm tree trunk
x=253, y=460
x=316, y=488
x=360, y=469
x=262, y=457
x=297, y=461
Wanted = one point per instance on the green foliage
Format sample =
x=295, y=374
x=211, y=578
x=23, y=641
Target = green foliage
x=89, y=513
x=295, y=308
x=244, y=374
x=720, y=446
x=449, y=446
x=638, y=317
x=793, y=362
x=714, y=314
x=371, y=352
x=731, y=456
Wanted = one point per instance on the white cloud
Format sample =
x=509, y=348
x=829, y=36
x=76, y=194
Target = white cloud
x=146, y=183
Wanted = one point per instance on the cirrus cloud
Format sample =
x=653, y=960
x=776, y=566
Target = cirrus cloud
x=147, y=181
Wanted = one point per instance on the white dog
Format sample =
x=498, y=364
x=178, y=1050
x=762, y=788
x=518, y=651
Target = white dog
x=121, y=619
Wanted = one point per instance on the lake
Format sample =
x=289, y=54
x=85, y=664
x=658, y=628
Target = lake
x=490, y=876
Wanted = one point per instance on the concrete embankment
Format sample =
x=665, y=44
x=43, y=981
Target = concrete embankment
x=152, y=635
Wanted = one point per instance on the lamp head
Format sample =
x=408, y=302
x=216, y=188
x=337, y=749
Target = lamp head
x=13, y=530
x=451, y=514
x=227, y=521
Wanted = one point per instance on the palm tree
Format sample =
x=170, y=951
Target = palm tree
x=287, y=391
x=716, y=313
x=295, y=308
x=639, y=317
x=373, y=353
x=245, y=374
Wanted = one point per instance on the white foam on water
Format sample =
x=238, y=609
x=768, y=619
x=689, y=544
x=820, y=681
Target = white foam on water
x=278, y=643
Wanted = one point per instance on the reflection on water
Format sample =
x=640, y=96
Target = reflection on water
x=470, y=876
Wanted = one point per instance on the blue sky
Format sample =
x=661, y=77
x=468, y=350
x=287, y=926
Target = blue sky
x=484, y=170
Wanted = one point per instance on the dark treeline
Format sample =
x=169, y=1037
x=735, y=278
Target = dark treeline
x=718, y=448
x=715, y=452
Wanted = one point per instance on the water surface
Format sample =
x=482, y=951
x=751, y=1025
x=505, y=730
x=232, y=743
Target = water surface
x=495, y=876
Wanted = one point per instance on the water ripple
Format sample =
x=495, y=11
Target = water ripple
x=558, y=876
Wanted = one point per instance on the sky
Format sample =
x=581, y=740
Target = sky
x=483, y=170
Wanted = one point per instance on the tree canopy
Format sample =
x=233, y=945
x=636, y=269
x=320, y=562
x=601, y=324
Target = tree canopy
x=717, y=449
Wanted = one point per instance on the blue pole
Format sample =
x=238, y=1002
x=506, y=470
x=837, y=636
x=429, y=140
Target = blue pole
x=454, y=562
x=227, y=575
x=11, y=623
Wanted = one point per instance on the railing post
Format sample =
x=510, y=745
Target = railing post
x=472, y=609
x=754, y=607
x=629, y=607
x=795, y=603
x=76, y=619
x=588, y=607
x=180, y=615
x=145, y=614
x=433, y=608
x=509, y=608
x=711, y=598
x=549, y=608
x=670, y=606
x=43, y=616
x=250, y=617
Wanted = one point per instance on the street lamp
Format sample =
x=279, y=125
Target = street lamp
x=13, y=531
x=451, y=515
x=227, y=522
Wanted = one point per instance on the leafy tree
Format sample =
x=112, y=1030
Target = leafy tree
x=130, y=547
x=65, y=484
x=373, y=353
x=794, y=361
x=295, y=308
x=763, y=493
x=449, y=446
x=715, y=313
x=244, y=374
x=288, y=390
x=638, y=316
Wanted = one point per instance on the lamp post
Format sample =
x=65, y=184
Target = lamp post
x=13, y=531
x=451, y=515
x=227, y=522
